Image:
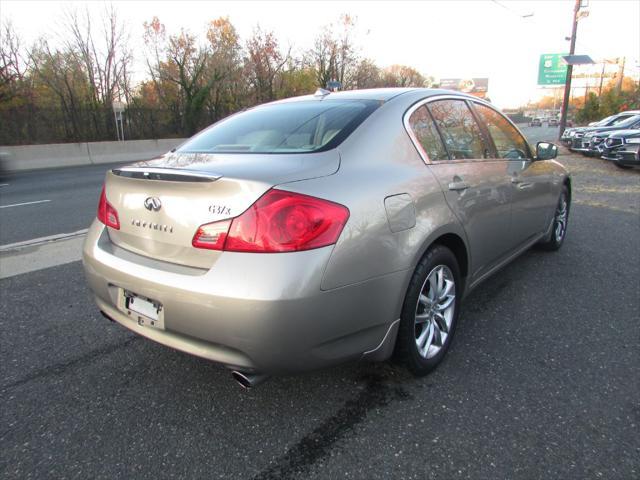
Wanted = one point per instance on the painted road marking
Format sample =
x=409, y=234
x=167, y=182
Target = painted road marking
x=4, y=184
x=25, y=203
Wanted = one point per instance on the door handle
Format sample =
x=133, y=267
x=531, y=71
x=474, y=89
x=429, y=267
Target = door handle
x=517, y=181
x=458, y=186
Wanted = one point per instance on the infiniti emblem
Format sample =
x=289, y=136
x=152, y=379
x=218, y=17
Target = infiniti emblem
x=153, y=203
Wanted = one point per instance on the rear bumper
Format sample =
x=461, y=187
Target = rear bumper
x=253, y=312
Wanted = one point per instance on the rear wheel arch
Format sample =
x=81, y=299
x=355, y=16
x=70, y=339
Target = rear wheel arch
x=450, y=236
x=454, y=243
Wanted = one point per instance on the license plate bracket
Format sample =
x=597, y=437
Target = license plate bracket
x=145, y=311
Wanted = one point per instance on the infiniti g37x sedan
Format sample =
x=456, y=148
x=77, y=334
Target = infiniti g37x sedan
x=325, y=228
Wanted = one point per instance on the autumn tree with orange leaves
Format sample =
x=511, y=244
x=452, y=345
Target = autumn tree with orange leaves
x=263, y=63
x=63, y=91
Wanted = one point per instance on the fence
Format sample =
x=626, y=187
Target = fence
x=28, y=125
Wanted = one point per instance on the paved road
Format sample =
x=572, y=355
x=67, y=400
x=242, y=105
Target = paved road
x=67, y=200
x=539, y=134
x=71, y=196
x=541, y=382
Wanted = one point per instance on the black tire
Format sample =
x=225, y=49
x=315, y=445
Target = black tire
x=406, y=350
x=552, y=242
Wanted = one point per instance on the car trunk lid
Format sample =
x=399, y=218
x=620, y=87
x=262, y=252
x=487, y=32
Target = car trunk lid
x=161, y=203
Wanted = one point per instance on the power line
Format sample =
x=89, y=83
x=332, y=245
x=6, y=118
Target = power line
x=527, y=15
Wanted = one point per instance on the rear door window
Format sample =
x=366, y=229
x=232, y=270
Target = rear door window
x=427, y=135
x=508, y=141
x=460, y=131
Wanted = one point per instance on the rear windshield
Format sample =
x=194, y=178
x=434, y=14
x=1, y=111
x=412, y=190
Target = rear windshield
x=295, y=127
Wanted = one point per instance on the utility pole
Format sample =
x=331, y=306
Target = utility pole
x=604, y=62
x=586, y=88
x=620, y=75
x=567, y=85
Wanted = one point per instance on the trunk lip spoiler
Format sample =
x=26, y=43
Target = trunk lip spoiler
x=159, y=171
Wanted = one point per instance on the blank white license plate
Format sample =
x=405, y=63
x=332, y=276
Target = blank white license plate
x=144, y=311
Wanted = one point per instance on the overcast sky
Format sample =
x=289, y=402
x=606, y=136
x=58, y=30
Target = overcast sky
x=480, y=38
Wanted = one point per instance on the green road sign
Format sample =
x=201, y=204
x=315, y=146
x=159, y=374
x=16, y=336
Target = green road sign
x=552, y=69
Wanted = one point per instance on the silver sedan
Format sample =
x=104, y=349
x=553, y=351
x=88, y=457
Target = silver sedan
x=320, y=229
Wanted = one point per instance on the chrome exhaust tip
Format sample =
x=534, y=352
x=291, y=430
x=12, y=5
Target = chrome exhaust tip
x=248, y=380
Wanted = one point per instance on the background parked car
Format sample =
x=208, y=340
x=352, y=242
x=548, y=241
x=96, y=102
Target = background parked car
x=627, y=156
x=535, y=122
x=597, y=145
x=570, y=134
x=553, y=122
x=593, y=141
x=582, y=140
x=616, y=140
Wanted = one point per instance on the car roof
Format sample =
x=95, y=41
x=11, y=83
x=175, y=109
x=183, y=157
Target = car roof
x=380, y=94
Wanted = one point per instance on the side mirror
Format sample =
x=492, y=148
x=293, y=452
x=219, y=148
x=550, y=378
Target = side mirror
x=546, y=151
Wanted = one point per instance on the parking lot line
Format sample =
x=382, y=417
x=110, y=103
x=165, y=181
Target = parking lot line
x=25, y=203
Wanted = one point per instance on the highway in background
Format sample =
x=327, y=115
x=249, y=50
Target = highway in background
x=41, y=203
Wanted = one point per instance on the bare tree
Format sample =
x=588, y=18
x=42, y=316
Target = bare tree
x=334, y=55
x=322, y=57
x=347, y=56
x=263, y=63
x=61, y=81
x=403, y=76
x=13, y=65
x=105, y=58
x=367, y=75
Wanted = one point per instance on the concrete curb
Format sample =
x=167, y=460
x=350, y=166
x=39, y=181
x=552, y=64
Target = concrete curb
x=41, y=256
x=34, y=242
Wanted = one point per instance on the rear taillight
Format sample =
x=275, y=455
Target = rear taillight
x=106, y=213
x=278, y=222
x=211, y=235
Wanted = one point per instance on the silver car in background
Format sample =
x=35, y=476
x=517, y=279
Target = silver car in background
x=316, y=230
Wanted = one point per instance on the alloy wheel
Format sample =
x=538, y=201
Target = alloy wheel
x=434, y=311
x=561, y=219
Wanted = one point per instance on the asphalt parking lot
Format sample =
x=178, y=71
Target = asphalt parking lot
x=542, y=380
